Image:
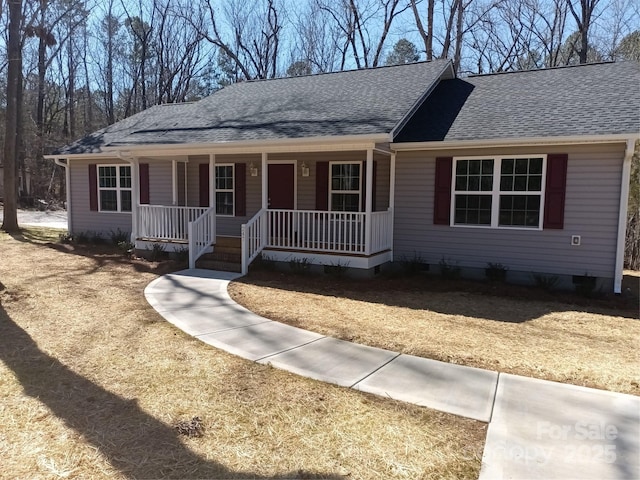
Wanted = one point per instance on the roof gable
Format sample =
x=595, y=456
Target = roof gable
x=596, y=99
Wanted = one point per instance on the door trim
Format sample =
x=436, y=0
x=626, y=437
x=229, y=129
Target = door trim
x=295, y=177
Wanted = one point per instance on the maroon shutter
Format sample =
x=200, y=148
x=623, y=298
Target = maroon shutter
x=144, y=183
x=555, y=191
x=203, y=173
x=240, y=189
x=322, y=186
x=374, y=189
x=442, y=195
x=93, y=187
x=363, y=200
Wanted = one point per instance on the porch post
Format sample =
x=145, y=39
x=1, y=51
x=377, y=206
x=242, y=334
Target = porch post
x=392, y=197
x=174, y=182
x=212, y=180
x=368, y=203
x=265, y=181
x=135, y=196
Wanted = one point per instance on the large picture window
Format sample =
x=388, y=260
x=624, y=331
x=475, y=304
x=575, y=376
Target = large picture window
x=224, y=190
x=345, y=186
x=498, y=192
x=114, y=188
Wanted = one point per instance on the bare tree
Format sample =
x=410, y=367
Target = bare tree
x=12, y=124
x=583, y=15
x=425, y=33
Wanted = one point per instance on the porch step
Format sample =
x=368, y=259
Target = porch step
x=225, y=261
x=229, y=245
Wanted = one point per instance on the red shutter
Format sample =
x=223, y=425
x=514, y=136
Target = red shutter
x=554, y=197
x=240, y=189
x=203, y=180
x=442, y=196
x=144, y=183
x=93, y=187
x=322, y=186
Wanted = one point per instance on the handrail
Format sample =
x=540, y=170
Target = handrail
x=202, y=234
x=254, y=238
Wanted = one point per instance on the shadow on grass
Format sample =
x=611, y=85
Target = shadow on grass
x=493, y=301
x=135, y=443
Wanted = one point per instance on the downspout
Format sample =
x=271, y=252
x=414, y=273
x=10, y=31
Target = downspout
x=67, y=179
x=622, y=219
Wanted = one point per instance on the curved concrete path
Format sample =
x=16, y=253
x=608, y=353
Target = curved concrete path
x=537, y=429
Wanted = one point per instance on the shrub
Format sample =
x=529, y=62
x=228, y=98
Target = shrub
x=300, y=266
x=545, y=282
x=338, y=270
x=448, y=270
x=65, y=237
x=413, y=265
x=119, y=236
x=496, y=272
x=156, y=252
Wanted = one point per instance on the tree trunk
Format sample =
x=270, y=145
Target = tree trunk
x=14, y=79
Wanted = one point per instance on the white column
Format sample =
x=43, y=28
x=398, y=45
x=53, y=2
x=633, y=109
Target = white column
x=622, y=219
x=392, y=197
x=368, y=202
x=174, y=182
x=135, y=196
x=212, y=180
x=265, y=180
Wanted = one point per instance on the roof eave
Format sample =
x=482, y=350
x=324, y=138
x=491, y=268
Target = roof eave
x=515, y=142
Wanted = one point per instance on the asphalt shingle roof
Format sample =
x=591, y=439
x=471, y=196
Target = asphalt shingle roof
x=357, y=102
x=592, y=99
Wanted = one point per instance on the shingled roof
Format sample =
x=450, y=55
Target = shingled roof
x=596, y=99
x=357, y=102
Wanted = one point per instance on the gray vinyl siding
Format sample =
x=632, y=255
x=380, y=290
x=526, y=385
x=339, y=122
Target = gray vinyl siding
x=591, y=211
x=160, y=181
x=82, y=218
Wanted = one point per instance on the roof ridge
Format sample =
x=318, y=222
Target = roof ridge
x=559, y=67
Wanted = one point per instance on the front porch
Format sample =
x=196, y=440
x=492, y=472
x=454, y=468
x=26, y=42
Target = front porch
x=351, y=239
x=324, y=204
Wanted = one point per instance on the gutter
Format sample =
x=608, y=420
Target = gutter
x=511, y=142
x=622, y=219
x=67, y=180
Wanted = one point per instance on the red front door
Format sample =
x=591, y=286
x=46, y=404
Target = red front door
x=281, y=186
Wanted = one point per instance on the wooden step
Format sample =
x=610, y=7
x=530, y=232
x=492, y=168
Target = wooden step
x=228, y=245
x=226, y=261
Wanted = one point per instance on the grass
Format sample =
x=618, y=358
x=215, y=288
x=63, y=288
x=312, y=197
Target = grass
x=93, y=383
x=525, y=331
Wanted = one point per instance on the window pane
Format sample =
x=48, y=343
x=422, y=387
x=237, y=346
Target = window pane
x=472, y=210
x=506, y=183
x=520, y=183
x=224, y=203
x=107, y=177
x=224, y=177
x=125, y=177
x=487, y=167
x=109, y=200
x=462, y=167
x=519, y=210
x=535, y=183
x=125, y=200
x=345, y=176
x=507, y=166
x=522, y=166
x=461, y=183
x=535, y=166
x=345, y=202
x=474, y=175
x=474, y=183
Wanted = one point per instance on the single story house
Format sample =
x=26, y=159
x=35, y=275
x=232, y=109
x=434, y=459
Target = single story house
x=527, y=170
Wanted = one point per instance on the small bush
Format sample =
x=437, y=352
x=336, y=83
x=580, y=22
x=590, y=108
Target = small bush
x=338, y=270
x=545, y=282
x=496, y=272
x=181, y=254
x=300, y=266
x=126, y=247
x=119, y=236
x=448, y=270
x=65, y=237
x=585, y=285
x=264, y=262
x=156, y=252
x=413, y=265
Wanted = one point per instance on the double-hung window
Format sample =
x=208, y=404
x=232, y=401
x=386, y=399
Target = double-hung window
x=114, y=188
x=345, y=186
x=224, y=190
x=499, y=192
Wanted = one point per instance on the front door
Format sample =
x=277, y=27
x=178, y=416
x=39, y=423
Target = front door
x=281, y=196
x=282, y=186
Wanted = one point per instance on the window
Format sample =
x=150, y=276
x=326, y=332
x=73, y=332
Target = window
x=498, y=192
x=224, y=190
x=114, y=188
x=345, y=186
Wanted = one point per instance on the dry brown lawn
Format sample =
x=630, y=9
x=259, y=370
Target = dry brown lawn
x=93, y=381
x=525, y=331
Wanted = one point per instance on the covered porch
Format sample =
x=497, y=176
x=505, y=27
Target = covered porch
x=325, y=206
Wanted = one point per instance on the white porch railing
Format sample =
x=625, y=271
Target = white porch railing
x=202, y=234
x=166, y=222
x=311, y=230
x=254, y=238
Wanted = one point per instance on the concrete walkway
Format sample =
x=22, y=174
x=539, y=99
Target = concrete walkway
x=537, y=429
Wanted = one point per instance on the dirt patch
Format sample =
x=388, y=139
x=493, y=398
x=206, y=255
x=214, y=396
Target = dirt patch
x=556, y=336
x=94, y=384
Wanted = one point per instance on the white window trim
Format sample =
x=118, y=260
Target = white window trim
x=118, y=189
x=495, y=192
x=226, y=190
x=359, y=191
